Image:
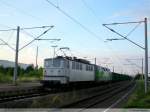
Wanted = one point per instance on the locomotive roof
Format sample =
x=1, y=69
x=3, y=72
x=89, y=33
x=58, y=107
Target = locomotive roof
x=77, y=60
x=72, y=59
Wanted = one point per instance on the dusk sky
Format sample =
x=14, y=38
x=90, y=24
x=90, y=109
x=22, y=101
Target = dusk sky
x=90, y=14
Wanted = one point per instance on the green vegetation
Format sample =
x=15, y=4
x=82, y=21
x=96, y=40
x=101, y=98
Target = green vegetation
x=139, y=99
x=139, y=77
x=30, y=74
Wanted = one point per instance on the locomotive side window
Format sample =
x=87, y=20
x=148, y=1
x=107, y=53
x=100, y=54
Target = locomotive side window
x=80, y=66
x=73, y=65
x=77, y=65
x=86, y=67
x=67, y=64
x=89, y=68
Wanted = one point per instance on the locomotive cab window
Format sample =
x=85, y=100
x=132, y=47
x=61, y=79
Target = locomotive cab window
x=53, y=63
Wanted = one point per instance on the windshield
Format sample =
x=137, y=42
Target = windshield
x=53, y=63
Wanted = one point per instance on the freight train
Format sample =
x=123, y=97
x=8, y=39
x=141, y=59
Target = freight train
x=65, y=70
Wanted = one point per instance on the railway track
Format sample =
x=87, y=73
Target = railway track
x=99, y=97
x=7, y=96
x=17, y=95
x=24, y=94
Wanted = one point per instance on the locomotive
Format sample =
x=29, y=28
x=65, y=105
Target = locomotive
x=65, y=70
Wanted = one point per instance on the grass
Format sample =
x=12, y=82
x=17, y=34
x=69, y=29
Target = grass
x=28, y=78
x=23, y=78
x=28, y=75
x=5, y=78
x=139, y=99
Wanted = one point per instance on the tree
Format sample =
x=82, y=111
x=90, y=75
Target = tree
x=29, y=69
x=138, y=76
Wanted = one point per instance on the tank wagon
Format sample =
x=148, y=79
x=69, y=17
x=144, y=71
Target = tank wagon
x=65, y=70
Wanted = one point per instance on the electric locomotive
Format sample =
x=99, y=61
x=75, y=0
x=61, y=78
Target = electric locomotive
x=65, y=70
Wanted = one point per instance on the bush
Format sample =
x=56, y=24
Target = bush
x=139, y=99
x=5, y=78
x=6, y=74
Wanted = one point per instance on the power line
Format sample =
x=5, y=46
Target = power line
x=92, y=11
x=144, y=48
x=123, y=36
x=10, y=36
x=57, y=3
x=36, y=38
x=21, y=11
x=29, y=34
x=133, y=63
x=124, y=23
x=30, y=28
x=27, y=28
x=7, y=44
x=133, y=29
x=8, y=30
x=75, y=21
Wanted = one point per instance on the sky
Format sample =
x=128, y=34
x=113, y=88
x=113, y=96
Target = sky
x=84, y=35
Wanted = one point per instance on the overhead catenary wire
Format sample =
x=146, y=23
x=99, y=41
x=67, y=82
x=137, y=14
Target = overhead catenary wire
x=36, y=38
x=146, y=51
x=21, y=29
x=10, y=36
x=57, y=3
x=124, y=23
x=133, y=63
x=7, y=44
x=92, y=11
x=30, y=28
x=8, y=30
x=21, y=11
x=27, y=28
x=123, y=36
x=133, y=29
x=29, y=34
x=76, y=21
